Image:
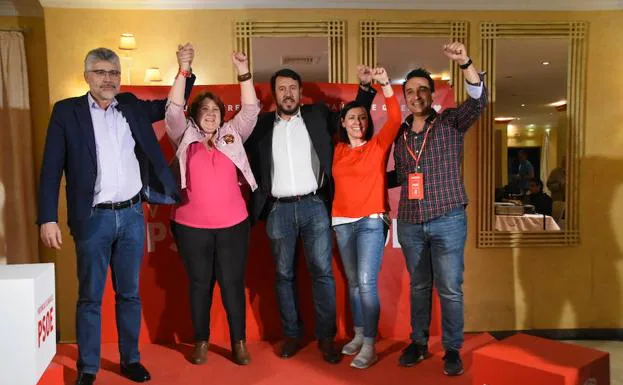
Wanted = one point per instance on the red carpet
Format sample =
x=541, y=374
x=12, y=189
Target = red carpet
x=168, y=366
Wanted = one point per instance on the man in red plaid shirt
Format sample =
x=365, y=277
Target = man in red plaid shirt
x=432, y=226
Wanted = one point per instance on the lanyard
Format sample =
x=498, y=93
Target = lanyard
x=419, y=155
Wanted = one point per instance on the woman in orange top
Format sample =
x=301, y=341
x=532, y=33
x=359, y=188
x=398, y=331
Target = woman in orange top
x=360, y=212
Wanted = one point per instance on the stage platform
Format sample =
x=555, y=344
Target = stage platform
x=169, y=365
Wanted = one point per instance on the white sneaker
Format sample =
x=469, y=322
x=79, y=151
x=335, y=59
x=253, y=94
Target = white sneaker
x=353, y=347
x=366, y=358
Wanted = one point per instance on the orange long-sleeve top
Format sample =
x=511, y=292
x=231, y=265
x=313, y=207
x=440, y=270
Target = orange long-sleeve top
x=359, y=173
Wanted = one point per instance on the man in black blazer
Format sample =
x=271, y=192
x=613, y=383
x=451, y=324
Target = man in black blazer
x=291, y=153
x=105, y=144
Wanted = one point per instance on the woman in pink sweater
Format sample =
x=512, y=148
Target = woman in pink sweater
x=210, y=225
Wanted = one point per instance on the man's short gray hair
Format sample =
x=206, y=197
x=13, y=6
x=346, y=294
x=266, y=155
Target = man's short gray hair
x=100, y=54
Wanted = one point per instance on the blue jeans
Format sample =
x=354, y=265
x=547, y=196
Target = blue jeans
x=112, y=238
x=309, y=218
x=361, y=247
x=434, y=252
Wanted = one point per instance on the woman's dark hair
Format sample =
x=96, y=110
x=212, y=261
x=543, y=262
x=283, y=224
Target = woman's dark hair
x=342, y=135
x=198, y=101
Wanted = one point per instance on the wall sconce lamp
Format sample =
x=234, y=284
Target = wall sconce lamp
x=127, y=43
x=152, y=75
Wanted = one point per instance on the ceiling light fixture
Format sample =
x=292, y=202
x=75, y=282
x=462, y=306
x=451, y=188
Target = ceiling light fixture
x=504, y=119
x=545, y=63
x=558, y=103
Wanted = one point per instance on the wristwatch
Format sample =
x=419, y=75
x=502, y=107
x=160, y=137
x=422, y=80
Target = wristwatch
x=466, y=65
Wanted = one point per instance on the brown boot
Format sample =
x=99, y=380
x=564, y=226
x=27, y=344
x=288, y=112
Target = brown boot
x=240, y=353
x=199, y=355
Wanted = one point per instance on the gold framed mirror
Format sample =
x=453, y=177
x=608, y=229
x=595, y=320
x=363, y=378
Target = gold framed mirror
x=372, y=32
x=531, y=133
x=334, y=31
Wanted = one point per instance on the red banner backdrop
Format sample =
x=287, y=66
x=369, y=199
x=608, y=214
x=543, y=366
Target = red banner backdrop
x=164, y=286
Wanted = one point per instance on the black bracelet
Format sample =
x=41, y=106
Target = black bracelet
x=466, y=65
x=365, y=85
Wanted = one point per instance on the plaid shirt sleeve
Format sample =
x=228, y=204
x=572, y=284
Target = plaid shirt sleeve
x=466, y=114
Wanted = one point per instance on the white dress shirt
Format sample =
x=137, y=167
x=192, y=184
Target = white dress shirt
x=118, y=172
x=474, y=91
x=292, y=172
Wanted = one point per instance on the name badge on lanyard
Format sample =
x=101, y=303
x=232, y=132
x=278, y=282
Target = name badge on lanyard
x=416, y=179
x=416, y=185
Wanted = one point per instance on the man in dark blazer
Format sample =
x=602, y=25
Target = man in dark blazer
x=105, y=144
x=291, y=153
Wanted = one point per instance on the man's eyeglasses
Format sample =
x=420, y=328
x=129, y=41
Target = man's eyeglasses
x=103, y=73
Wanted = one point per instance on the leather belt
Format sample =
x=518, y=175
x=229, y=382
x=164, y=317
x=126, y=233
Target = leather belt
x=291, y=199
x=120, y=205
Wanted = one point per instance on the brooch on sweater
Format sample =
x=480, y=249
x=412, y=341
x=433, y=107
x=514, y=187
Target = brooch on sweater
x=228, y=139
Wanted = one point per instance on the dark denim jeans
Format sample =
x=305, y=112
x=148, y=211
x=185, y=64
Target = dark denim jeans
x=361, y=247
x=434, y=252
x=112, y=238
x=309, y=218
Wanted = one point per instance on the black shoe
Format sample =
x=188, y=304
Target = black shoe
x=85, y=378
x=453, y=365
x=413, y=354
x=135, y=372
x=289, y=347
x=329, y=352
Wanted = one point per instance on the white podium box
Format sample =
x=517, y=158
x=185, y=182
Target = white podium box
x=27, y=322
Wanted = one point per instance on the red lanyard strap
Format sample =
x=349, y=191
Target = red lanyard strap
x=419, y=155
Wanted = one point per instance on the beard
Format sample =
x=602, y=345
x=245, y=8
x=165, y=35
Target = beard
x=109, y=88
x=287, y=111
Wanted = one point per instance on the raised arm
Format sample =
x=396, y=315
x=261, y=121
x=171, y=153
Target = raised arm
x=365, y=92
x=175, y=121
x=467, y=112
x=156, y=108
x=365, y=96
x=245, y=120
x=388, y=132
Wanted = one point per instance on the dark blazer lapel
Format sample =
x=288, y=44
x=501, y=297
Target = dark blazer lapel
x=130, y=117
x=311, y=121
x=266, y=147
x=83, y=114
